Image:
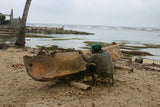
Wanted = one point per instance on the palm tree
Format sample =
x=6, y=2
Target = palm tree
x=20, y=42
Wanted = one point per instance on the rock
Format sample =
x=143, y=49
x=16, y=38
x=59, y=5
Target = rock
x=139, y=60
x=4, y=46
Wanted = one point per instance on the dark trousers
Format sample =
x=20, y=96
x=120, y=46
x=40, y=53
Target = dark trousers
x=91, y=68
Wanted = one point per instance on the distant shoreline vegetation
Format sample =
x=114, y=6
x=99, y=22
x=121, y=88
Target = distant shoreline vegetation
x=13, y=31
x=53, y=30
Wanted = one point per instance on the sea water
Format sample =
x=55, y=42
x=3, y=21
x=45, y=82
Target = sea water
x=130, y=36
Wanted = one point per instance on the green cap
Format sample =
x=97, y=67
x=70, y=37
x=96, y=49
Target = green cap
x=95, y=46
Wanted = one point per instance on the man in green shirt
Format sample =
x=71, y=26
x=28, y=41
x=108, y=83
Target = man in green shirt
x=100, y=62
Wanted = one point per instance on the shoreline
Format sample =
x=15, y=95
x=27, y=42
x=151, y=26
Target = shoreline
x=150, y=52
x=54, y=30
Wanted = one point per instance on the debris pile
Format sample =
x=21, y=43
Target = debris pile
x=4, y=46
x=129, y=65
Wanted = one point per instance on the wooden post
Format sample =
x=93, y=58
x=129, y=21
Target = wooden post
x=11, y=17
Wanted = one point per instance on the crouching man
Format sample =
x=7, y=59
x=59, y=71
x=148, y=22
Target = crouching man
x=100, y=63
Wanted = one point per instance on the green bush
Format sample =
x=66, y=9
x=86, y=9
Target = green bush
x=2, y=17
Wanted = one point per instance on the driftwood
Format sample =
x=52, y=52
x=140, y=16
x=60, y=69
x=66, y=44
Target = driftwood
x=58, y=65
x=153, y=64
x=80, y=85
x=122, y=67
x=151, y=68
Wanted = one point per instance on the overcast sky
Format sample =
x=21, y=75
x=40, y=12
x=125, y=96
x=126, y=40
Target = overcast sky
x=135, y=13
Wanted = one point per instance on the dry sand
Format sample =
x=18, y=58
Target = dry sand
x=138, y=89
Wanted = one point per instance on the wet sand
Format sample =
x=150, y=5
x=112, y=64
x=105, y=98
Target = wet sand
x=138, y=89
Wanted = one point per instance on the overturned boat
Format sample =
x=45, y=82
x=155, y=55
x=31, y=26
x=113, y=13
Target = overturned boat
x=59, y=65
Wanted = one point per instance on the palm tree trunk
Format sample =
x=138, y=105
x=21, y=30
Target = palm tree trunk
x=20, y=42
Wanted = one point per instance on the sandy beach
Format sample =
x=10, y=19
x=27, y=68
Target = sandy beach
x=140, y=88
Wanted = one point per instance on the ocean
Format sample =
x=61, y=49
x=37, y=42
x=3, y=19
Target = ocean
x=129, y=36
x=132, y=36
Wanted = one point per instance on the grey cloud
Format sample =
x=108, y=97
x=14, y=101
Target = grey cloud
x=96, y=12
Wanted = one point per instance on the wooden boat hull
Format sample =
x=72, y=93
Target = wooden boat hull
x=45, y=67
